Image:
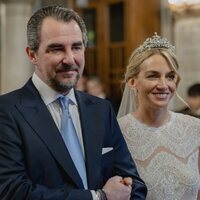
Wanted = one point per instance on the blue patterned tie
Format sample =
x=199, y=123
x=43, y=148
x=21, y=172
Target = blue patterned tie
x=71, y=140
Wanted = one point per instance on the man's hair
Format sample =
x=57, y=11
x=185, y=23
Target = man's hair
x=57, y=12
x=194, y=90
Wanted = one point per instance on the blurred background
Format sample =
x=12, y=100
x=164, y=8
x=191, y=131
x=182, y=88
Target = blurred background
x=115, y=28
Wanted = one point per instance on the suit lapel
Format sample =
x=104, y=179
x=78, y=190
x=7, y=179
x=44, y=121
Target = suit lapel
x=37, y=115
x=92, y=135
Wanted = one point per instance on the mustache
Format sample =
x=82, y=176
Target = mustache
x=65, y=67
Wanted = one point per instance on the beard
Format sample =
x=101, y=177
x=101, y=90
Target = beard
x=61, y=87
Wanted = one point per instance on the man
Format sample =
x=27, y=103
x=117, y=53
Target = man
x=35, y=158
x=193, y=100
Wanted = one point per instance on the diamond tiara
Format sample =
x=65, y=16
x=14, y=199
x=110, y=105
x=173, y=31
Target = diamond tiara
x=156, y=42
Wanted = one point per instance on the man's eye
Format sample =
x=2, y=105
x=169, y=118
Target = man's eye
x=55, y=49
x=78, y=47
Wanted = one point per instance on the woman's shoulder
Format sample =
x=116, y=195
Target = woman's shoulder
x=185, y=117
x=185, y=120
x=125, y=118
x=126, y=122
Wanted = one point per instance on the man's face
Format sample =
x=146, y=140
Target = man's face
x=194, y=102
x=60, y=60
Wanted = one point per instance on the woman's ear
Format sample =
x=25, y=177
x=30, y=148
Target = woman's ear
x=131, y=83
x=32, y=55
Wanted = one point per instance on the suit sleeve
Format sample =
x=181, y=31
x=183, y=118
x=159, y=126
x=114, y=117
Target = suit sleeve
x=124, y=164
x=15, y=183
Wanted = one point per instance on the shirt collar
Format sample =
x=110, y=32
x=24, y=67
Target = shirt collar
x=48, y=94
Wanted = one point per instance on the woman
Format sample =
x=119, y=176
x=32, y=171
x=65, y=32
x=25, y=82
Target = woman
x=164, y=144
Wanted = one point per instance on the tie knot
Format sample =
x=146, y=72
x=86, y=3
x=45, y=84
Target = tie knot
x=64, y=102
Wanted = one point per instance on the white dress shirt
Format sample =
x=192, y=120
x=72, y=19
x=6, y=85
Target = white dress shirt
x=49, y=96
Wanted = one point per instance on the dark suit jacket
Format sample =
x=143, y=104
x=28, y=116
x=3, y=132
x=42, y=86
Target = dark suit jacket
x=34, y=162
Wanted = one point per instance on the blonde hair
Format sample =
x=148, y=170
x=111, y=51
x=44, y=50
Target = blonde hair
x=137, y=58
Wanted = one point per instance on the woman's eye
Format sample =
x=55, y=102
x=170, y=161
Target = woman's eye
x=151, y=76
x=171, y=77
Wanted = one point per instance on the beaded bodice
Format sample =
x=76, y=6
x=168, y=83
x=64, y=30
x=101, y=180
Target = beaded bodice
x=166, y=157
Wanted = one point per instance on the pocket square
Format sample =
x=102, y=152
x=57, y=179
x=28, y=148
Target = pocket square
x=106, y=150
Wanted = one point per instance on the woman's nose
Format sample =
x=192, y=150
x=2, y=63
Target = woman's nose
x=162, y=83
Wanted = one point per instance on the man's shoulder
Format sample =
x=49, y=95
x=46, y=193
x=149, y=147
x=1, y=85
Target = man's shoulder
x=86, y=96
x=93, y=102
x=8, y=100
x=13, y=96
x=9, y=95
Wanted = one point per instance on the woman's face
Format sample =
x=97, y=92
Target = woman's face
x=155, y=84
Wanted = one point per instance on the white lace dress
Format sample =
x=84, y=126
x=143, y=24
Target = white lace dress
x=166, y=157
